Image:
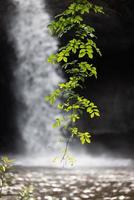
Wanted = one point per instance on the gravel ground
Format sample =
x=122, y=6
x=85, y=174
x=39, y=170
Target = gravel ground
x=74, y=184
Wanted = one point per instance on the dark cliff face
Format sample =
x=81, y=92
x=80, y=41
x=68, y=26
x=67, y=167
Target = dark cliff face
x=115, y=29
x=113, y=91
x=8, y=128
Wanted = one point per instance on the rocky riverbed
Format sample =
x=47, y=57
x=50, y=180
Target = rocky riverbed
x=73, y=184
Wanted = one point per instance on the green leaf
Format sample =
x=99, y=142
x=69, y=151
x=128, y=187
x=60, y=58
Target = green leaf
x=52, y=59
x=92, y=115
x=65, y=59
x=74, y=131
x=97, y=114
x=60, y=106
x=89, y=110
x=57, y=123
x=59, y=59
x=88, y=140
x=73, y=50
x=82, y=51
x=82, y=139
x=82, y=46
x=82, y=54
x=90, y=55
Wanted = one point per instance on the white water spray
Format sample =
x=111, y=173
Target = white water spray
x=35, y=77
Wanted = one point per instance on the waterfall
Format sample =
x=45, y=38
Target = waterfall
x=35, y=77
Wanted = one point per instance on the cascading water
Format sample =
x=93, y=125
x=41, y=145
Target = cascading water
x=35, y=77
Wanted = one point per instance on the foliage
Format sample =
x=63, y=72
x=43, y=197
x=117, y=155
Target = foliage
x=65, y=157
x=5, y=176
x=26, y=193
x=76, y=58
x=6, y=166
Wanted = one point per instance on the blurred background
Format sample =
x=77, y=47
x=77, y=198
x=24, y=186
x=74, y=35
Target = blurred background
x=113, y=91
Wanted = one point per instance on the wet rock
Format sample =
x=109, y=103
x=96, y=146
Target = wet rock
x=121, y=197
x=84, y=196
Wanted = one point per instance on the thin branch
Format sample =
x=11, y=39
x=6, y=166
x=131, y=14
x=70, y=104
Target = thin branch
x=66, y=148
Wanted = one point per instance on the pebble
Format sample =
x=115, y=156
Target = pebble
x=20, y=179
x=48, y=198
x=43, y=190
x=98, y=189
x=29, y=175
x=91, y=195
x=64, y=198
x=76, y=198
x=114, y=190
x=114, y=198
x=41, y=184
x=86, y=191
x=38, y=198
x=121, y=197
x=57, y=190
x=55, y=185
x=84, y=196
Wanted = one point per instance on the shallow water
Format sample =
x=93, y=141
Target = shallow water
x=74, y=184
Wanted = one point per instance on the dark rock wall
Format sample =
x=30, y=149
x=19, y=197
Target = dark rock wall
x=8, y=128
x=113, y=91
